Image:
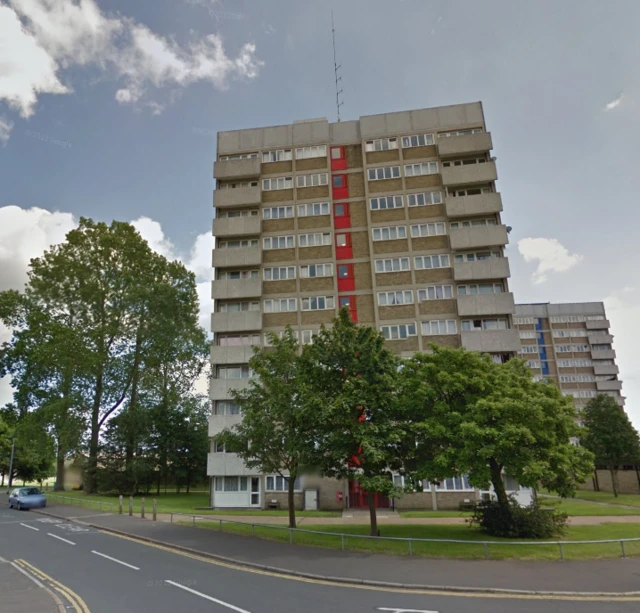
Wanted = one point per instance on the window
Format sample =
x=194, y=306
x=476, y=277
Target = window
x=312, y=180
x=389, y=233
x=471, y=325
x=417, y=140
x=239, y=156
x=570, y=348
x=476, y=256
x=428, y=229
x=392, y=265
x=398, y=331
x=529, y=349
x=218, y=447
x=576, y=318
x=460, y=132
x=307, y=336
x=339, y=180
x=386, y=202
x=318, y=303
x=533, y=364
x=464, y=162
x=278, y=242
x=316, y=208
x=381, y=144
x=238, y=244
x=422, y=262
x=422, y=168
x=279, y=273
x=337, y=153
x=437, y=327
x=277, y=183
x=581, y=393
x=226, y=407
x=233, y=372
x=601, y=347
x=227, y=275
x=579, y=378
x=267, y=337
x=237, y=184
x=316, y=270
x=424, y=198
x=341, y=210
x=316, y=151
x=237, y=340
x=343, y=240
x=278, y=483
x=480, y=288
x=524, y=320
x=395, y=298
x=575, y=363
x=384, y=172
x=469, y=191
x=455, y=484
x=230, y=484
x=314, y=240
x=237, y=306
x=528, y=333
x=474, y=223
x=235, y=214
x=282, y=305
x=569, y=332
x=277, y=212
x=279, y=155
x=436, y=292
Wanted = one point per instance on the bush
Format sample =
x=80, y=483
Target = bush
x=515, y=521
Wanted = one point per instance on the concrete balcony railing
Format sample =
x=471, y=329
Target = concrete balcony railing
x=238, y=197
x=481, y=236
x=611, y=369
x=467, y=206
x=221, y=464
x=469, y=174
x=242, y=256
x=603, y=354
x=220, y=389
x=236, y=288
x=464, y=144
x=492, y=341
x=598, y=324
x=243, y=321
x=600, y=338
x=486, y=304
x=491, y=268
x=217, y=423
x=227, y=170
x=237, y=226
x=608, y=386
x=231, y=355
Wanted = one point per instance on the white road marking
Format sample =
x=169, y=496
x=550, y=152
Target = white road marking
x=24, y=572
x=115, y=560
x=405, y=610
x=55, y=536
x=3, y=561
x=50, y=520
x=220, y=602
x=30, y=527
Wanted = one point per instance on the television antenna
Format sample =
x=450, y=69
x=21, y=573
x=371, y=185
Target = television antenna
x=336, y=69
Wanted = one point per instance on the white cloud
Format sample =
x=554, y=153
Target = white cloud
x=614, y=103
x=550, y=254
x=5, y=129
x=41, y=38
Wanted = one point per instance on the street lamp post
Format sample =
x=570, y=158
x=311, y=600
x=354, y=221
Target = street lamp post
x=13, y=449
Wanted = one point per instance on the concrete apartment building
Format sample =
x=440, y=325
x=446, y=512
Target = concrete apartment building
x=570, y=344
x=395, y=216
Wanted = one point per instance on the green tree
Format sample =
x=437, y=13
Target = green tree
x=609, y=435
x=278, y=429
x=350, y=381
x=465, y=414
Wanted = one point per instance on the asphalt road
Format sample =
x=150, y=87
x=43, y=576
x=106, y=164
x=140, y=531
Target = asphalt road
x=117, y=575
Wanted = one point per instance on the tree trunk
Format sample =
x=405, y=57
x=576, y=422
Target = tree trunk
x=59, y=486
x=91, y=485
x=498, y=483
x=614, y=478
x=596, y=483
x=638, y=476
x=290, y=501
x=373, y=518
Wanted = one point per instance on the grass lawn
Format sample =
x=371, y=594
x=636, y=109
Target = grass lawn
x=577, y=508
x=627, y=499
x=506, y=551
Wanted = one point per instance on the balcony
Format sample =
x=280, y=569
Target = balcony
x=238, y=197
x=486, y=304
x=241, y=256
x=611, y=369
x=220, y=389
x=228, y=170
x=243, y=321
x=221, y=464
x=481, y=236
x=237, y=226
x=217, y=423
x=236, y=288
x=598, y=324
x=608, y=386
x=464, y=144
x=600, y=339
x=469, y=174
x=603, y=354
x=231, y=355
x=491, y=268
x=492, y=341
x=467, y=206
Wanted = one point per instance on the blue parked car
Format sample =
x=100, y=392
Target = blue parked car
x=27, y=498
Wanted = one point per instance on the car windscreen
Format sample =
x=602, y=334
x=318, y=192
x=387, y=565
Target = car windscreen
x=30, y=491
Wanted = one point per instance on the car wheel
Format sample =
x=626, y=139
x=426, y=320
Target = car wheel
x=19, y=507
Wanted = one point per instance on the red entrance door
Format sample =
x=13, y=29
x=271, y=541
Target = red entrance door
x=358, y=498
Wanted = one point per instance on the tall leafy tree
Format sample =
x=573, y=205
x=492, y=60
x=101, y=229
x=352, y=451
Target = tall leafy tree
x=465, y=414
x=609, y=435
x=351, y=378
x=278, y=429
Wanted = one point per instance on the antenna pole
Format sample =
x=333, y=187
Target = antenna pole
x=336, y=68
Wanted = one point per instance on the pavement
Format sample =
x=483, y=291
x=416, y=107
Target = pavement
x=102, y=572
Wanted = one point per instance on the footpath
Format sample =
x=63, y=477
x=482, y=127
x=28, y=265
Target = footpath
x=616, y=576
x=22, y=594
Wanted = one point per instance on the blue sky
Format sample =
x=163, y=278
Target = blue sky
x=109, y=109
